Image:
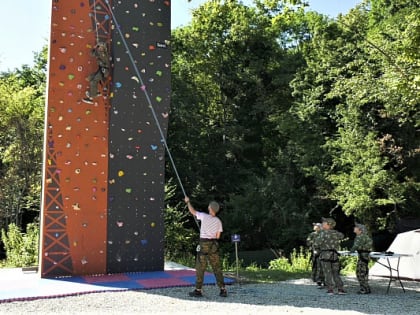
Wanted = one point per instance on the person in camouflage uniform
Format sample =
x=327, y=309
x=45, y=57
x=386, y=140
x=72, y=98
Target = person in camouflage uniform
x=317, y=274
x=210, y=231
x=329, y=242
x=363, y=244
x=100, y=52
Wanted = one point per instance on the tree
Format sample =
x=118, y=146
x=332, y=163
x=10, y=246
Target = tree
x=363, y=102
x=230, y=126
x=21, y=134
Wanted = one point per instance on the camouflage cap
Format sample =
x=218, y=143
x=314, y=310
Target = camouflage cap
x=317, y=225
x=361, y=227
x=101, y=45
x=329, y=221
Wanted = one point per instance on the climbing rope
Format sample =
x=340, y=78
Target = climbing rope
x=96, y=21
x=143, y=88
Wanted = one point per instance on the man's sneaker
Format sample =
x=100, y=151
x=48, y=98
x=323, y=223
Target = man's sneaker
x=223, y=292
x=87, y=100
x=88, y=94
x=342, y=292
x=196, y=293
x=330, y=292
x=362, y=291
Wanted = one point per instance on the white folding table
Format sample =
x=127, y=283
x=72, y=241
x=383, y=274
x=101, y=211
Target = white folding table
x=394, y=272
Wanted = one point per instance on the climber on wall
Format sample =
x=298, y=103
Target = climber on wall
x=100, y=75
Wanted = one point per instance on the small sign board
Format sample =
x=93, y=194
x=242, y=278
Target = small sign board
x=235, y=238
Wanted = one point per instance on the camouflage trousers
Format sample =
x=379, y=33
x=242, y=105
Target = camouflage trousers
x=331, y=271
x=317, y=274
x=95, y=78
x=362, y=274
x=209, y=251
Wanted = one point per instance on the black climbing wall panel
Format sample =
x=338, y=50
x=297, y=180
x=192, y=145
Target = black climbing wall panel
x=135, y=230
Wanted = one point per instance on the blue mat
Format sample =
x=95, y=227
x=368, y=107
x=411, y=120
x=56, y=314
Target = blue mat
x=16, y=285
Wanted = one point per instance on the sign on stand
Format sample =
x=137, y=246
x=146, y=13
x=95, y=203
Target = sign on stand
x=236, y=238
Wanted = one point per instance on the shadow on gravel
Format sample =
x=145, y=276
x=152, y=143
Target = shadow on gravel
x=303, y=294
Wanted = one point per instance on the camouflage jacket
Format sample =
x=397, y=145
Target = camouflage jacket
x=329, y=242
x=363, y=244
x=102, y=58
x=310, y=240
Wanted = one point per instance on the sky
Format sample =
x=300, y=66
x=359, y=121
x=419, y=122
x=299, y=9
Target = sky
x=25, y=25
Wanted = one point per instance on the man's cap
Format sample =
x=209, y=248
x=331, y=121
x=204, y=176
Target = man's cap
x=362, y=227
x=214, y=206
x=329, y=221
x=319, y=225
x=101, y=44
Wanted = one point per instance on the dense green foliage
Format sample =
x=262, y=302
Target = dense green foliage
x=179, y=240
x=368, y=101
x=21, y=248
x=300, y=261
x=281, y=114
x=286, y=116
x=21, y=135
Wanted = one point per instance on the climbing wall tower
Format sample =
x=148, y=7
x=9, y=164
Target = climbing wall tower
x=103, y=184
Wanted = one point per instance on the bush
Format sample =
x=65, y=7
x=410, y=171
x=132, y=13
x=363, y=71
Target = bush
x=348, y=264
x=281, y=263
x=21, y=248
x=300, y=261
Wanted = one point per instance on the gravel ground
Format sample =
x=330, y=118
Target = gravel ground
x=289, y=297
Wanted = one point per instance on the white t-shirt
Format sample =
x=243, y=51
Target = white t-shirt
x=210, y=225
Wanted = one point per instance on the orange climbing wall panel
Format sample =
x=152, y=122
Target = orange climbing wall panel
x=103, y=184
x=76, y=148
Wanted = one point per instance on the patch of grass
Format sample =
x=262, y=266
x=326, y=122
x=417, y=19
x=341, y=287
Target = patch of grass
x=269, y=276
x=284, y=271
x=297, y=266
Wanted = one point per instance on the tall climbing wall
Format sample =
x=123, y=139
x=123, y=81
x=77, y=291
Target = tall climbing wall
x=103, y=184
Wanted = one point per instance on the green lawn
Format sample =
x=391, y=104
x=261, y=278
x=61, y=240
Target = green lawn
x=266, y=275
